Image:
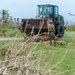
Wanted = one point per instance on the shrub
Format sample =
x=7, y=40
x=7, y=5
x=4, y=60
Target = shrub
x=4, y=28
x=70, y=28
x=14, y=32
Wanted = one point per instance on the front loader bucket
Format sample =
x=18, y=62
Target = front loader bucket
x=40, y=25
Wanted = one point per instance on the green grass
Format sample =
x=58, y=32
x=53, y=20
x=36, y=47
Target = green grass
x=50, y=56
x=70, y=28
x=69, y=33
x=59, y=60
x=13, y=32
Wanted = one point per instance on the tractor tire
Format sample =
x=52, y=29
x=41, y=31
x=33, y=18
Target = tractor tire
x=60, y=31
x=61, y=20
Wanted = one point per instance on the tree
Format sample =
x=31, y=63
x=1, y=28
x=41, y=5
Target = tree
x=17, y=20
x=4, y=15
x=4, y=19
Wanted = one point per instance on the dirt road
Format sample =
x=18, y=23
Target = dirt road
x=11, y=38
x=23, y=38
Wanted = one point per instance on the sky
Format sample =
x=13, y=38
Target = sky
x=28, y=8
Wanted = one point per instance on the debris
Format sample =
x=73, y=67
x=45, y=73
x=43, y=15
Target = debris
x=61, y=42
x=19, y=62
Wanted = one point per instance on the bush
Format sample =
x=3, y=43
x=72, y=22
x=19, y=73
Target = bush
x=4, y=28
x=8, y=31
x=70, y=28
x=14, y=32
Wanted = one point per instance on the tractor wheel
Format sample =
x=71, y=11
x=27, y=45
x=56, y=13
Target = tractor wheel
x=60, y=31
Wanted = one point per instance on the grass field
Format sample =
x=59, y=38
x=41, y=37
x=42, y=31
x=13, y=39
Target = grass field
x=69, y=33
x=59, y=60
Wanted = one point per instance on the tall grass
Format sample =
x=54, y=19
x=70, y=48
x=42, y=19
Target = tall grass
x=18, y=60
x=37, y=58
x=70, y=28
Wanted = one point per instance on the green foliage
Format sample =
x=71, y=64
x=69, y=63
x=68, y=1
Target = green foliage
x=14, y=32
x=4, y=27
x=4, y=15
x=9, y=31
x=70, y=28
x=59, y=60
x=61, y=57
x=4, y=22
x=69, y=34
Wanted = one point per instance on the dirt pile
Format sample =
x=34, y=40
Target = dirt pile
x=41, y=38
x=36, y=38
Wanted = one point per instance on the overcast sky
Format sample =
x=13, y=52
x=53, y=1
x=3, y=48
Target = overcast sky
x=27, y=8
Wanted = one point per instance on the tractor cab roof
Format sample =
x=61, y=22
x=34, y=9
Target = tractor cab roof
x=47, y=5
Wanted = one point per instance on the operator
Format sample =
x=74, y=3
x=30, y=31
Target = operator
x=51, y=31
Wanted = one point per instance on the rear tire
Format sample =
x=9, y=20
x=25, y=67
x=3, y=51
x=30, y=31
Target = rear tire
x=60, y=31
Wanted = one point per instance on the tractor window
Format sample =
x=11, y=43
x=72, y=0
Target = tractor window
x=51, y=11
x=44, y=10
x=39, y=11
x=56, y=12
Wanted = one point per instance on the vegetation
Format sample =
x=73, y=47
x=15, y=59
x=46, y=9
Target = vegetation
x=4, y=21
x=4, y=16
x=14, y=32
x=6, y=27
x=59, y=60
x=70, y=28
x=69, y=34
x=49, y=60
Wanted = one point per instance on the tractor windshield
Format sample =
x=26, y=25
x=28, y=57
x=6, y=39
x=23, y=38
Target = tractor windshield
x=48, y=11
x=43, y=11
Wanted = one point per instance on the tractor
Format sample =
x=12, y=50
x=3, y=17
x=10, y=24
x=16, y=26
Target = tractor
x=45, y=12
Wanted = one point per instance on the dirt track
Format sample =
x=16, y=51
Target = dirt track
x=11, y=38
x=69, y=37
x=23, y=38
